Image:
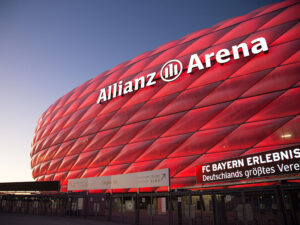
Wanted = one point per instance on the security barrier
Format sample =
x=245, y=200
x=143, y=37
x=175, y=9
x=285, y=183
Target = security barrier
x=276, y=205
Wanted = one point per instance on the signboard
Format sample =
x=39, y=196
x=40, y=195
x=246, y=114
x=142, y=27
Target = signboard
x=265, y=164
x=30, y=186
x=77, y=184
x=154, y=178
x=124, y=181
x=95, y=183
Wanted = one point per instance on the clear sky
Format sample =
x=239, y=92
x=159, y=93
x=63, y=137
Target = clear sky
x=49, y=47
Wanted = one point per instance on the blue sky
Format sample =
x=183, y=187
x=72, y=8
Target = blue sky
x=49, y=47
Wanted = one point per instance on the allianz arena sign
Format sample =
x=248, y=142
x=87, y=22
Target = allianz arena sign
x=172, y=69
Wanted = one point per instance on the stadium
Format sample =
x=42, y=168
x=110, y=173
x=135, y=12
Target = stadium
x=222, y=94
x=236, y=108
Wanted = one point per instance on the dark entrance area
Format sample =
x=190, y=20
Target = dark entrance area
x=260, y=205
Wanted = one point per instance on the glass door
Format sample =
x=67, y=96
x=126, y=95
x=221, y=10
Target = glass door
x=229, y=209
x=182, y=210
x=146, y=210
x=160, y=210
x=202, y=210
x=291, y=199
x=262, y=209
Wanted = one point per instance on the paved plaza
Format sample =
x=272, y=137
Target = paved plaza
x=24, y=219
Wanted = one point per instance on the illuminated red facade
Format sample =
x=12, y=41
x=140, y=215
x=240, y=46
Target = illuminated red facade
x=245, y=106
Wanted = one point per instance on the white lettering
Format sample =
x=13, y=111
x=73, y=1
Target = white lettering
x=208, y=59
x=151, y=80
x=102, y=96
x=297, y=153
x=261, y=45
x=128, y=87
x=222, y=56
x=140, y=80
x=235, y=50
x=197, y=63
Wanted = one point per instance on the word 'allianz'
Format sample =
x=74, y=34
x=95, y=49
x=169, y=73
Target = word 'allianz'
x=222, y=56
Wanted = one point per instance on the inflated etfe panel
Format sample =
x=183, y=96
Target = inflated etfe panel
x=227, y=109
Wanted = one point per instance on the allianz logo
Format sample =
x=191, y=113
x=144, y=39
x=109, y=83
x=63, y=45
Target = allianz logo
x=172, y=69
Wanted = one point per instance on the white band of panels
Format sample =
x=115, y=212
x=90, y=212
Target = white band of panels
x=154, y=178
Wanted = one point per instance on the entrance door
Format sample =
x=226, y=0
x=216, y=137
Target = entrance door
x=146, y=210
x=183, y=211
x=96, y=206
x=291, y=199
x=123, y=209
x=262, y=209
x=59, y=206
x=129, y=205
x=117, y=209
x=229, y=209
x=160, y=210
x=202, y=206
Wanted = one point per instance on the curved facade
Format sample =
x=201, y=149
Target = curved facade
x=240, y=107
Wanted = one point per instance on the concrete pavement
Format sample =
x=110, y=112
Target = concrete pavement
x=26, y=219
